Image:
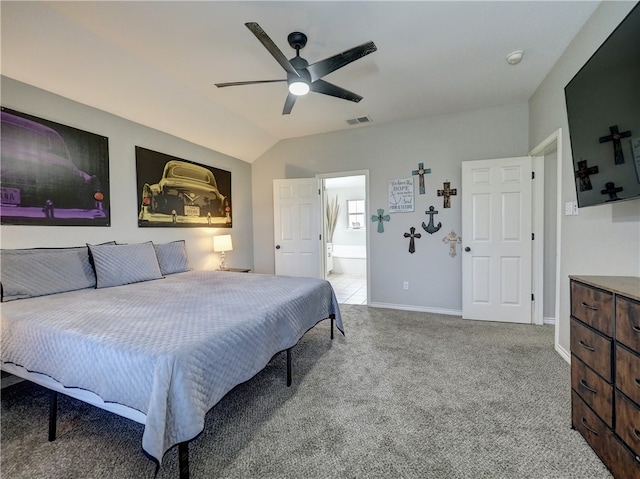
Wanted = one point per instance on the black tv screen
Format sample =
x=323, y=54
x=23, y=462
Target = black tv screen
x=603, y=108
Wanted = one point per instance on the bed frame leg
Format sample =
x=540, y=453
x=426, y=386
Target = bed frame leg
x=53, y=415
x=333, y=320
x=288, y=367
x=183, y=459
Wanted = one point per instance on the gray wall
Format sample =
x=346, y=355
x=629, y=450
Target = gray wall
x=123, y=136
x=391, y=151
x=601, y=240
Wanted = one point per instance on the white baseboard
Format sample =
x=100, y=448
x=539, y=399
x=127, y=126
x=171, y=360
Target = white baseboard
x=547, y=320
x=563, y=352
x=421, y=309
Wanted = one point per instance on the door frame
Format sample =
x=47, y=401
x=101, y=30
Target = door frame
x=323, y=202
x=553, y=141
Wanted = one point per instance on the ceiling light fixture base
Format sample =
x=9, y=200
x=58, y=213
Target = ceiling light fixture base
x=515, y=57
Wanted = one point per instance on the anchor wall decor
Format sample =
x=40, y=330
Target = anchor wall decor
x=421, y=171
x=412, y=235
x=380, y=217
x=431, y=228
x=452, y=240
x=447, y=192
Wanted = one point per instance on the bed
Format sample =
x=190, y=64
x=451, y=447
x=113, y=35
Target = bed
x=162, y=350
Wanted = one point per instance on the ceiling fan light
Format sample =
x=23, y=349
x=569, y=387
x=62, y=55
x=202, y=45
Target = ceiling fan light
x=298, y=88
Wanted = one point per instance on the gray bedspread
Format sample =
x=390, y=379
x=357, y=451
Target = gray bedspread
x=170, y=348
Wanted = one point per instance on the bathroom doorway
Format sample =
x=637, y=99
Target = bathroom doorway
x=346, y=235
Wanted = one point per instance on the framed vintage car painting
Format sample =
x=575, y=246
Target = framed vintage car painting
x=181, y=193
x=52, y=174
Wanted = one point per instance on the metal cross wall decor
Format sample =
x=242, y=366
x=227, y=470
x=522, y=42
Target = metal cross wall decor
x=612, y=190
x=452, y=240
x=583, y=172
x=431, y=228
x=421, y=171
x=615, y=136
x=412, y=235
x=447, y=192
x=380, y=217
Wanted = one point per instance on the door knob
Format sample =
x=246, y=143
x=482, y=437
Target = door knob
x=277, y=246
x=467, y=249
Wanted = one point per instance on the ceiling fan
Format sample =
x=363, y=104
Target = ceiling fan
x=302, y=77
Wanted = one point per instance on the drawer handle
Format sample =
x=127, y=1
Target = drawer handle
x=637, y=381
x=636, y=329
x=586, y=346
x=584, y=423
x=636, y=433
x=584, y=385
x=592, y=308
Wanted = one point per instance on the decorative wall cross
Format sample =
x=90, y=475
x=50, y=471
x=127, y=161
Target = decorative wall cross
x=430, y=228
x=452, y=240
x=611, y=190
x=380, y=217
x=412, y=235
x=447, y=192
x=421, y=171
x=615, y=137
x=582, y=173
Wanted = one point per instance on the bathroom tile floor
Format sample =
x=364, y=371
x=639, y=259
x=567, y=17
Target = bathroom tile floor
x=349, y=288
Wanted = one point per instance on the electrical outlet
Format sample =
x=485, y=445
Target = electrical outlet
x=568, y=208
x=575, y=207
x=405, y=285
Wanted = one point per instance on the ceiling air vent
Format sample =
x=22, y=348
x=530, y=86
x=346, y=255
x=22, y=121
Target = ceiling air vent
x=357, y=121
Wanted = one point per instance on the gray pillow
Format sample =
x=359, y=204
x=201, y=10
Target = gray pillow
x=27, y=273
x=124, y=264
x=172, y=257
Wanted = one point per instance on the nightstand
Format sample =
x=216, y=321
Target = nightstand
x=236, y=270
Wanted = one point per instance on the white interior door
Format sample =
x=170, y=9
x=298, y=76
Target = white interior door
x=496, y=239
x=296, y=208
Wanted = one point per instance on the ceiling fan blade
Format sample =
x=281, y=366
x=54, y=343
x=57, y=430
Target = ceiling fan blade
x=288, y=104
x=236, y=83
x=326, y=88
x=273, y=49
x=319, y=69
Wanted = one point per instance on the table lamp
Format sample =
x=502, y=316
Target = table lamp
x=222, y=244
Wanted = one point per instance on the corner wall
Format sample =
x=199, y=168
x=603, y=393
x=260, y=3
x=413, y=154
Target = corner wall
x=123, y=136
x=601, y=240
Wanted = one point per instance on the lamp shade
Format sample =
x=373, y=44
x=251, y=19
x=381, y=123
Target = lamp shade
x=222, y=243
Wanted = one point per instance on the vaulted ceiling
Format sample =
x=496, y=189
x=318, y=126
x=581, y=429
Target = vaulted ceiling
x=157, y=63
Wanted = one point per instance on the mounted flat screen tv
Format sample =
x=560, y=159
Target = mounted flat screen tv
x=603, y=108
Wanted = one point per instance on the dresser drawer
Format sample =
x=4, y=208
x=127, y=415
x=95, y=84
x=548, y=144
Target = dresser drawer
x=595, y=432
x=594, y=390
x=628, y=322
x=592, y=348
x=593, y=307
x=621, y=461
x=628, y=422
x=628, y=373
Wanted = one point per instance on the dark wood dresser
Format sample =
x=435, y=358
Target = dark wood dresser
x=605, y=369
